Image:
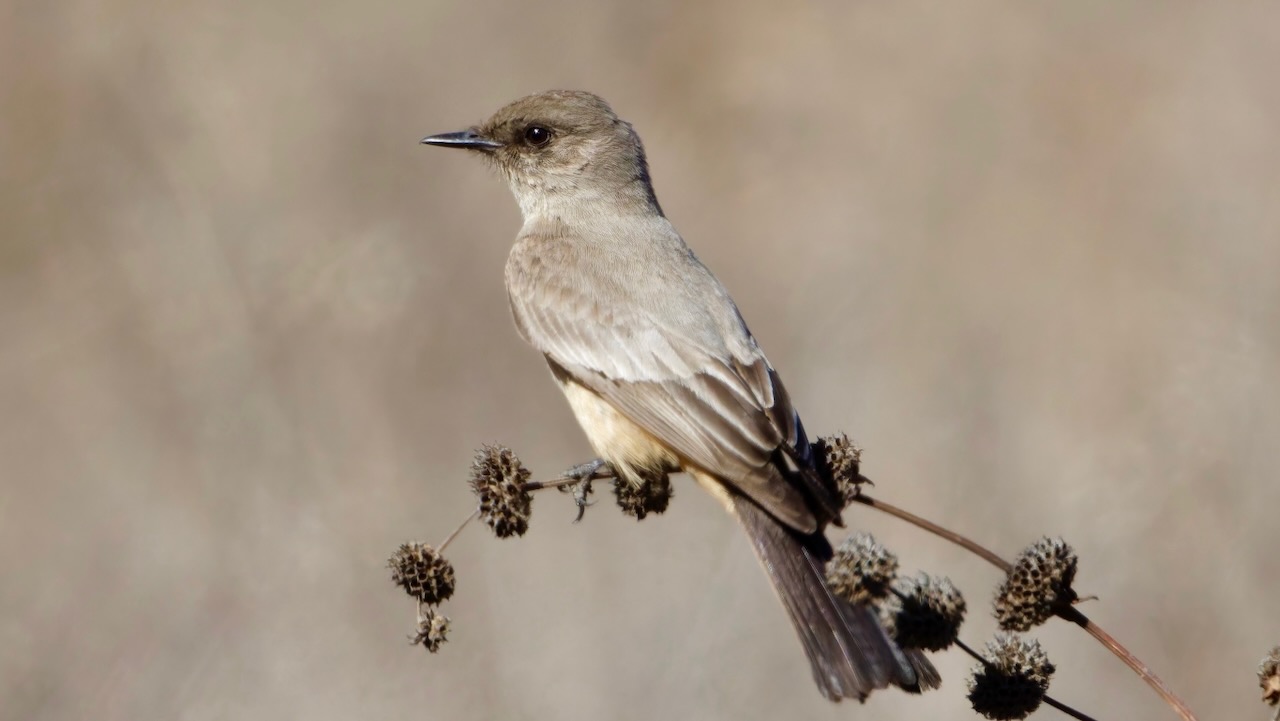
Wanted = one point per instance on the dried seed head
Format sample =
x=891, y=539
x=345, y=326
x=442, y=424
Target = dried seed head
x=923, y=612
x=1038, y=585
x=1269, y=677
x=422, y=572
x=651, y=496
x=840, y=461
x=433, y=628
x=1013, y=681
x=498, y=478
x=862, y=569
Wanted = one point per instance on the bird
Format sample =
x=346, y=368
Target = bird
x=660, y=369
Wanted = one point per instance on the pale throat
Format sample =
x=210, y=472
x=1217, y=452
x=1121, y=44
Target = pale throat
x=579, y=201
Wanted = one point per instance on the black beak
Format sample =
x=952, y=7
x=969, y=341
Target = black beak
x=462, y=139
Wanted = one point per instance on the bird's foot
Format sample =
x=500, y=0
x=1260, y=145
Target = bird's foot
x=584, y=474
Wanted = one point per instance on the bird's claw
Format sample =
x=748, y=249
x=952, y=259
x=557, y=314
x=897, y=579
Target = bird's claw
x=584, y=474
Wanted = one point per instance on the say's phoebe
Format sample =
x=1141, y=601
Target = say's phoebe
x=660, y=368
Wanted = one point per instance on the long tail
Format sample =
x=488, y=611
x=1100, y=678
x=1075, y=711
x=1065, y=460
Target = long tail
x=849, y=651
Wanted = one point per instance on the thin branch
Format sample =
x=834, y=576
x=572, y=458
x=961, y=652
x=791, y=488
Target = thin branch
x=1047, y=698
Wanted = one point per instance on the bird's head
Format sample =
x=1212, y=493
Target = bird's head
x=557, y=147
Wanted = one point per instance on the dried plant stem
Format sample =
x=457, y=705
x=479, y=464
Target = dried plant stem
x=1069, y=613
x=458, y=530
x=566, y=480
x=553, y=483
x=1066, y=709
x=965, y=543
x=1047, y=698
x=1074, y=616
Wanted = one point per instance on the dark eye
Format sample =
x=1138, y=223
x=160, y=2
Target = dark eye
x=536, y=135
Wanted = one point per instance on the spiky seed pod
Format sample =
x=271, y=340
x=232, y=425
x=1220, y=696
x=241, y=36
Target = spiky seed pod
x=861, y=570
x=422, y=572
x=1014, y=680
x=498, y=478
x=839, y=460
x=433, y=629
x=1269, y=677
x=923, y=612
x=651, y=496
x=1038, y=586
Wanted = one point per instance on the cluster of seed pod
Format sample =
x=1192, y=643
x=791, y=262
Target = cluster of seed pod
x=921, y=612
x=501, y=485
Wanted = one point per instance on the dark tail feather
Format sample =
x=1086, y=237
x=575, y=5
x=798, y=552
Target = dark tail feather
x=927, y=677
x=849, y=651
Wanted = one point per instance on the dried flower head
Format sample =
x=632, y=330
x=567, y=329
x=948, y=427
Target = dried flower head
x=433, y=627
x=1269, y=677
x=861, y=570
x=1014, y=680
x=498, y=478
x=1038, y=585
x=422, y=572
x=923, y=612
x=652, y=495
x=839, y=460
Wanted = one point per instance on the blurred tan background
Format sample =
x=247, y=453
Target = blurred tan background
x=1027, y=254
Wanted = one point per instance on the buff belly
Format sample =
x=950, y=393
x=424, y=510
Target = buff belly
x=633, y=451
